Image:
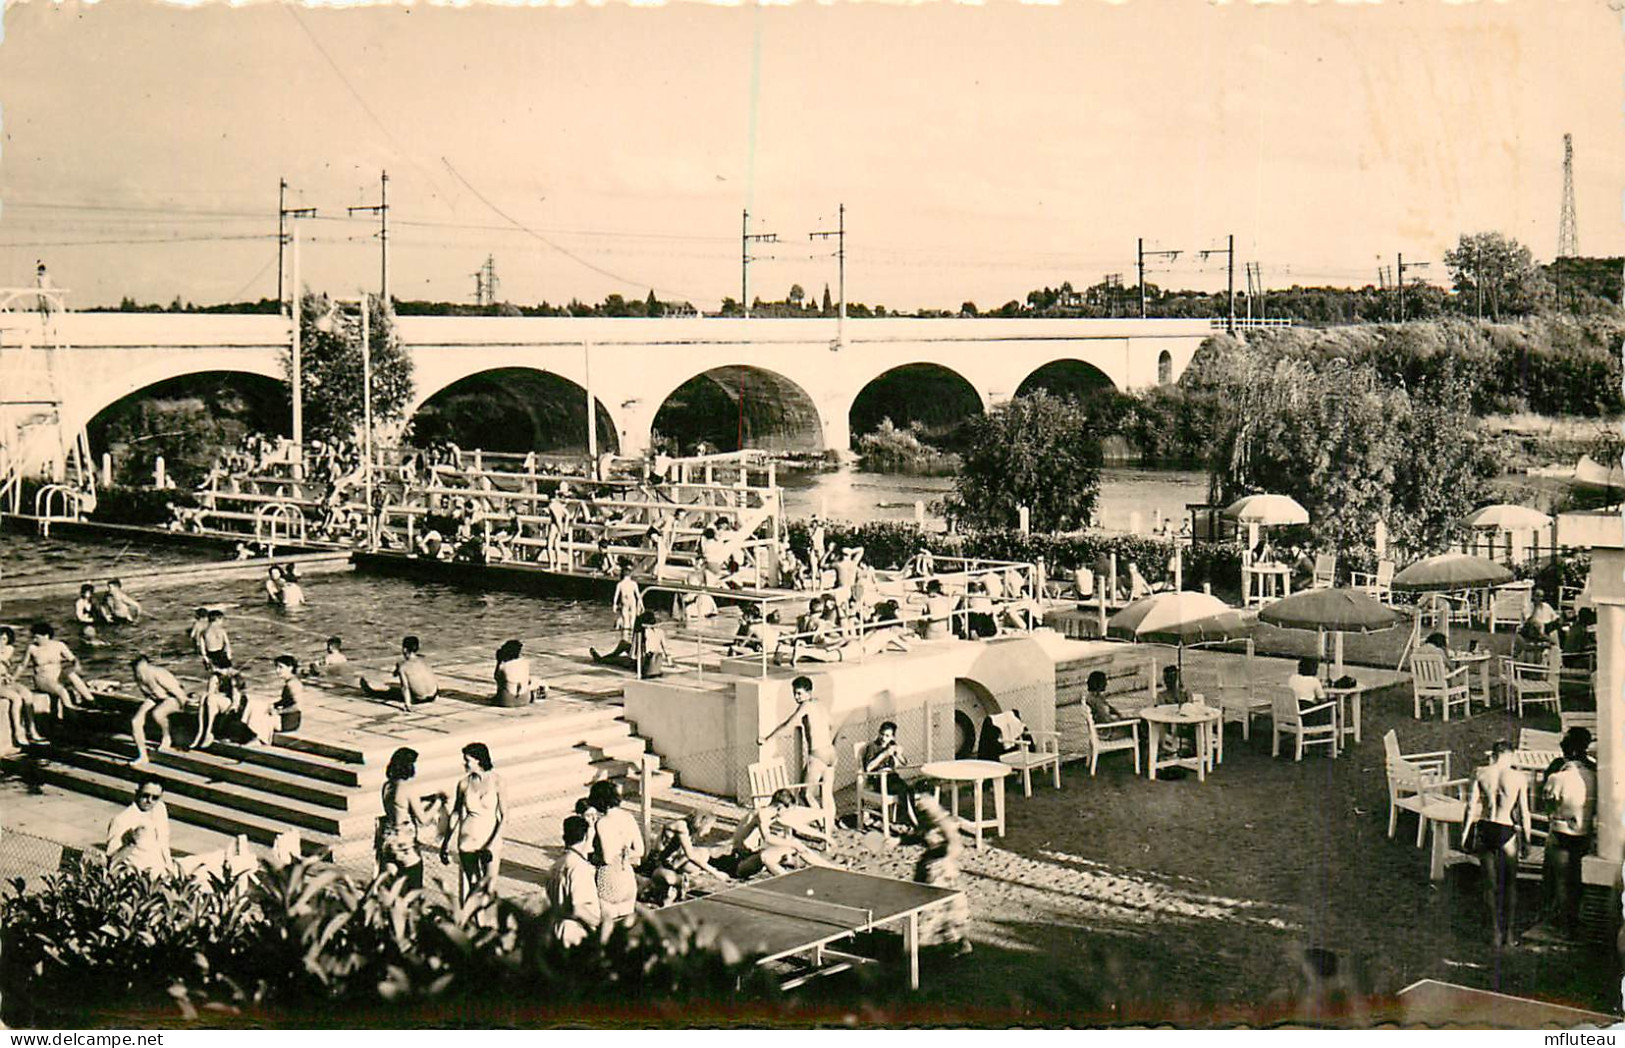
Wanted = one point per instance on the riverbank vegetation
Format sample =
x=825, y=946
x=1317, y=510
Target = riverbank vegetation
x=888, y=449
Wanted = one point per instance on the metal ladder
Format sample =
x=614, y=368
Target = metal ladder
x=34, y=439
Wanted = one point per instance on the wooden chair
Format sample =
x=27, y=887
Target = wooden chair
x=1413, y=780
x=1233, y=693
x=1529, y=684
x=874, y=790
x=1099, y=744
x=1586, y=719
x=1430, y=681
x=1511, y=605
x=1379, y=585
x=1288, y=717
x=1325, y=576
x=770, y=776
x=1044, y=751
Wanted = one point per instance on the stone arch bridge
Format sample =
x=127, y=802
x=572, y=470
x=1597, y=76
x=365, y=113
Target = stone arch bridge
x=801, y=391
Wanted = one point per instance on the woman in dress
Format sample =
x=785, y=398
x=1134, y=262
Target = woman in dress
x=476, y=825
x=404, y=814
x=947, y=925
x=1498, y=808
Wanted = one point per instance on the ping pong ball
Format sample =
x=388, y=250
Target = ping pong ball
x=809, y=891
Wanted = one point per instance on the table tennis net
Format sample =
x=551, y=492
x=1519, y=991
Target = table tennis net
x=764, y=901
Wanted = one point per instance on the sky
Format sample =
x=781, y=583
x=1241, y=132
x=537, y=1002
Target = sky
x=981, y=150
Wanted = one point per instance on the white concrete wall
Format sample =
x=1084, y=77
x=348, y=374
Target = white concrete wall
x=708, y=735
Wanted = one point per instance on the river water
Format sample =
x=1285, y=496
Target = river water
x=847, y=494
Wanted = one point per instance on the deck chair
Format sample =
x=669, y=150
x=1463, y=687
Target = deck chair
x=1529, y=684
x=1430, y=681
x=1535, y=739
x=1586, y=719
x=876, y=790
x=1511, y=605
x=1413, y=780
x=1114, y=742
x=1379, y=585
x=770, y=776
x=1325, y=576
x=1043, y=751
x=1288, y=717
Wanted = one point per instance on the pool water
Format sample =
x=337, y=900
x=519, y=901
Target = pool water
x=27, y=557
x=371, y=613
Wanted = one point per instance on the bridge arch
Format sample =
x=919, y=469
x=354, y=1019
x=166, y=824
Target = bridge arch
x=731, y=406
x=1067, y=376
x=511, y=408
x=184, y=418
x=937, y=396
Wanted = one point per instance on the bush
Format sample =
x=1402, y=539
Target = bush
x=891, y=450
x=147, y=506
x=304, y=942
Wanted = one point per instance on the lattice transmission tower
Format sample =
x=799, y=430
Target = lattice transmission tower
x=1568, y=230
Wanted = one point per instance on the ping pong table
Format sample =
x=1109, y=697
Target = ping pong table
x=1432, y=1002
x=800, y=914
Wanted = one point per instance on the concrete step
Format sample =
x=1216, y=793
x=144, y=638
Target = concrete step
x=292, y=812
x=564, y=729
x=191, y=810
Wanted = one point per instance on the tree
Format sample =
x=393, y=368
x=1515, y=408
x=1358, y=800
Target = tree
x=1501, y=272
x=331, y=367
x=796, y=295
x=967, y=309
x=828, y=308
x=1040, y=451
x=652, y=306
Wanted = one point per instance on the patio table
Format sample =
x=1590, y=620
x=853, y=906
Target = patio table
x=1442, y=813
x=1159, y=719
x=973, y=773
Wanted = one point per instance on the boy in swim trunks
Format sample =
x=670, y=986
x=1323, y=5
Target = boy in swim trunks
x=213, y=643
x=161, y=698
x=814, y=718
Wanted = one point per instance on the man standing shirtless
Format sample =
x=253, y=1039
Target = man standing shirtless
x=161, y=697
x=814, y=719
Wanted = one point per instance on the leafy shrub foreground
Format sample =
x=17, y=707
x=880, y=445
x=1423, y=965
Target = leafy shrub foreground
x=305, y=944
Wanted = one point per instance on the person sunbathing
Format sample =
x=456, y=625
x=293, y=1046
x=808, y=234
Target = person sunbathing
x=765, y=841
x=678, y=860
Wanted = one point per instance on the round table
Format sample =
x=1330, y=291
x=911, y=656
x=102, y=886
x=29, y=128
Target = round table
x=1159, y=719
x=972, y=773
x=1347, y=699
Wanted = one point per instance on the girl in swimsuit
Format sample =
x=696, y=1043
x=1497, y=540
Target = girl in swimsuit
x=476, y=817
x=1499, y=794
x=404, y=813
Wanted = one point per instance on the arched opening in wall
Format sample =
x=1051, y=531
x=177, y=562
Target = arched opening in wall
x=512, y=410
x=1067, y=378
x=1165, y=368
x=737, y=406
x=190, y=420
x=973, y=704
x=936, y=398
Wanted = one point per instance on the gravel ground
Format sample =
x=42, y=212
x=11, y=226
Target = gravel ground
x=1116, y=900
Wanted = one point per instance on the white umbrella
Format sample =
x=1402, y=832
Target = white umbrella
x=1267, y=510
x=1506, y=517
